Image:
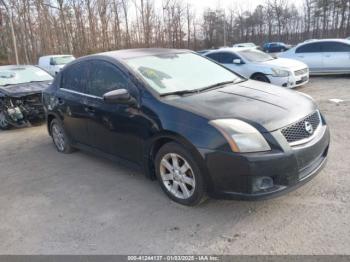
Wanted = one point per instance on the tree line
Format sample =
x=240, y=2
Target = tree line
x=82, y=27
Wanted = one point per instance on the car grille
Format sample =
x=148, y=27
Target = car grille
x=297, y=131
x=301, y=72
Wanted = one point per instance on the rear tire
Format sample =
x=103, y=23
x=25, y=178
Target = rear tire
x=260, y=77
x=179, y=175
x=60, y=138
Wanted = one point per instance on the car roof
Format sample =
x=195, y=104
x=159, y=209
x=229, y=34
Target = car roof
x=55, y=55
x=229, y=49
x=140, y=52
x=340, y=40
x=246, y=43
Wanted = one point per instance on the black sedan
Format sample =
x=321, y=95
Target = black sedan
x=21, y=89
x=275, y=47
x=197, y=127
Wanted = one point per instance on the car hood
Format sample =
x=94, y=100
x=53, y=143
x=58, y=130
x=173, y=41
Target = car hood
x=24, y=89
x=266, y=107
x=286, y=63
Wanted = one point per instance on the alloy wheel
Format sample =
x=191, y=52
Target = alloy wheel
x=58, y=137
x=177, y=176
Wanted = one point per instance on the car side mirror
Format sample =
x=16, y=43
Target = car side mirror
x=119, y=96
x=52, y=62
x=237, y=61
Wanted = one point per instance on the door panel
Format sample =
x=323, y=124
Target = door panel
x=311, y=55
x=71, y=100
x=113, y=128
x=336, y=56
x=74, y=115
x=336, y=61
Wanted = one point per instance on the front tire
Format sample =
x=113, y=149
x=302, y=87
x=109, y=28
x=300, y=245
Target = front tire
x=59, y=137
x=179, y=175
x=260, y=77
x=4, y=124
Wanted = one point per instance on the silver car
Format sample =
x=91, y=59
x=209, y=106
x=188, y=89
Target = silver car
x=257, y=65
x=324, y=56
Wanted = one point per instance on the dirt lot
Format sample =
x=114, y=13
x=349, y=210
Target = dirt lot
x=52, y=203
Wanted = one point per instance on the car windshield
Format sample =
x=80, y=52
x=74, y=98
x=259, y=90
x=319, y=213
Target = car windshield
x=255, y=55
x=18, y=75
x=62, y=60
x=179, y=72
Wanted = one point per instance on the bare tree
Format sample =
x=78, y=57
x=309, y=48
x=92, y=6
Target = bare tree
x=81, y=27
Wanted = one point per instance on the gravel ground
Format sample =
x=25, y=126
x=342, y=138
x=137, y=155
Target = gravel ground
x=52, y=203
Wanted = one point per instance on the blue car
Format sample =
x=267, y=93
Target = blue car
x=275, y=47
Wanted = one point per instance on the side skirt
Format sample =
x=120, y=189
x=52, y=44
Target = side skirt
x=118, y=160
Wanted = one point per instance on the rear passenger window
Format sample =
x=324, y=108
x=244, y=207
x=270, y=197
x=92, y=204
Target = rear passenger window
x=75, y=77
x=335, y=47
x=105, y=77
x=309, y=48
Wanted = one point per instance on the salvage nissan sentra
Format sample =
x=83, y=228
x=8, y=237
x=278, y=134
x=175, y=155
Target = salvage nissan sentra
x=197, y=127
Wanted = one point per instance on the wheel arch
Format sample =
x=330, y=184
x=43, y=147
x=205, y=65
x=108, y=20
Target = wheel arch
x=260, y=73
x=156, y=142
x=51, y=116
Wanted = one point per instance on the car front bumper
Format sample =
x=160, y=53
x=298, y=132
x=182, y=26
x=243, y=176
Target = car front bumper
x=234, y=175
x=291, y=81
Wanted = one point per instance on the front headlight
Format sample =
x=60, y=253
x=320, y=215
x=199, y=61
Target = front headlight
x=241, y=136
x=279, y=72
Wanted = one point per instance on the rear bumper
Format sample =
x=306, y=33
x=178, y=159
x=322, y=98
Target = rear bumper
x=234, y=176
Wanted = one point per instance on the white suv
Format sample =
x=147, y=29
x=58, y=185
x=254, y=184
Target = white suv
x=326, y=56
x=260, y=66
x=54, y=63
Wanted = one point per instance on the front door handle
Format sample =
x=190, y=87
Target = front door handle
x=89, y=109
x=60, y=101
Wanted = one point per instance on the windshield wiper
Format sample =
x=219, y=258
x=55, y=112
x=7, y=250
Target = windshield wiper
x=37, y=81
x=183, y=92
x=236, y=81
x=215, y=85
x=239, y=80
x=34, y=81
x=180, y=92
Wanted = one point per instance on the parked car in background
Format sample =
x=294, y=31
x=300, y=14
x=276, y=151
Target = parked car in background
x=275, y=47
x=309, y=40
x=20, y=94
x=246, y=45
x=54, y=63
x=198, y=127
x=324, y=56
x=257, y=65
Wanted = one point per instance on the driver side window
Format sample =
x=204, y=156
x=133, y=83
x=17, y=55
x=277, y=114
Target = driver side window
x=105, y=77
